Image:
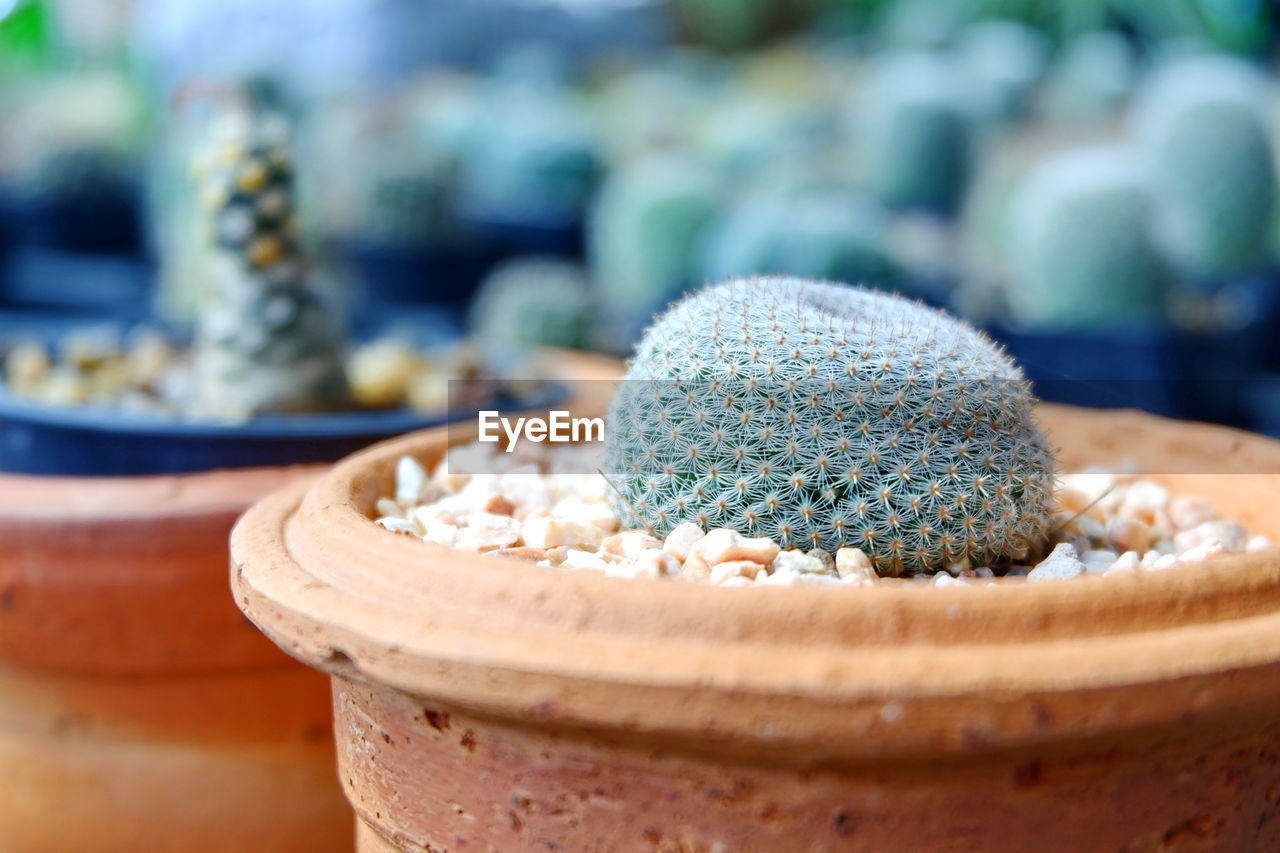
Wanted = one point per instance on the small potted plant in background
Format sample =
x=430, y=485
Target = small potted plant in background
x=1136, y=270
x=828, y=590
x=69, y=197
x=127, y=676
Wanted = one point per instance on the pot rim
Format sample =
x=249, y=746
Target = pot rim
x=509, y=638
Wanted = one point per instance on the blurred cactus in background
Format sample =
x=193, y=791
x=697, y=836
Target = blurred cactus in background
x=728, y=24
x=831, y=236
x=656, y=105
x=532, y=153
x=532, y=301
x=933, y=148
x=374, y=180
x=1002, y=62
x=1091, y=79
x=1203, y=128
x=911, y=133
x=1081, y=252
x=645, y=236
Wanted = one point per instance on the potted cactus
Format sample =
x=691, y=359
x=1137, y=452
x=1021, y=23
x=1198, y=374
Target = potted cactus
x=394, y=214
x=1137, y=271
x=912, y=136
x=856, y=655
x=125, y=718
x=531, y=163
x=533, y=301
x=646, y=231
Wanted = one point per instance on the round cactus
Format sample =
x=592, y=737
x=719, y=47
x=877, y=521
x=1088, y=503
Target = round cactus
x=1203, y=127
x=912, y=133
x=1081, y=251
x=534, y=301
x=822, y=415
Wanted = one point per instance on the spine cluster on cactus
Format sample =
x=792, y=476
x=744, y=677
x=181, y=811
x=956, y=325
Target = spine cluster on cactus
x=264, y=339
x=1203, y=126
x=913, y=135
x=533, y=301
x=1081, y=250
x=823, y=415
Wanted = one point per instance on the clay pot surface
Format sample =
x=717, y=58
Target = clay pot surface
x=485, y=704
x=139, y=709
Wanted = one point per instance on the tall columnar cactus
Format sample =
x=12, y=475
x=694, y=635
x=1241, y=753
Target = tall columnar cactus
x=912, y=136
x=1203, y=128
x=823, y=415
x=264, y=339
x=533, y=301
x=1081, y=248
x=645, y=233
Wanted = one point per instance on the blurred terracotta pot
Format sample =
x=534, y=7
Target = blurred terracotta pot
x=139, y=710
x=494, y=706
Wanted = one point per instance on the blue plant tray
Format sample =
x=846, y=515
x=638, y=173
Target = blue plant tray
x=446, y=275
x=1165, y=370
x=87, y=441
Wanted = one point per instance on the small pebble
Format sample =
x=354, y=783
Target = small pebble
x=680, y=540
x=1061, y=564
x=853, y=562
x=1188, y=511
x=722, y=572
x=410, y=480
x=565, y=521
x=1126, y=562
x=798, y=562
x=724, y=545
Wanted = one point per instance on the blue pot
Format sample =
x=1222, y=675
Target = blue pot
x=1264, y=404
x=104, y=285
x=84, y=441
x=103, y=223
x=1132, y=368
x=1167, y=371
x=511, y=236
x=444, y=275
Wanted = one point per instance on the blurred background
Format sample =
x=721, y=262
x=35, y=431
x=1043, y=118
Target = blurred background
x=1092, y=181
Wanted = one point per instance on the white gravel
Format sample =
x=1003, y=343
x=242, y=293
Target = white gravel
x=1109, y=524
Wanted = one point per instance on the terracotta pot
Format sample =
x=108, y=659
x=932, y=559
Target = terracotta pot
x=493, y=706
x=139, y=710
